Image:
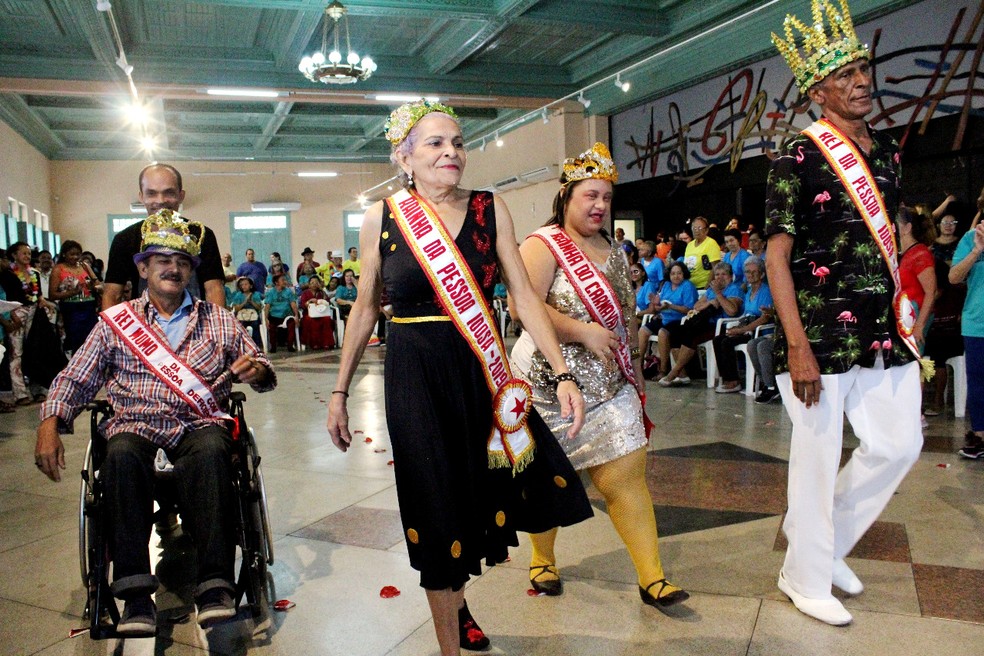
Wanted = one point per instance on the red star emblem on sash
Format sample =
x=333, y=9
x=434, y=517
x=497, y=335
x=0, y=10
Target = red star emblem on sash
x=519, y=408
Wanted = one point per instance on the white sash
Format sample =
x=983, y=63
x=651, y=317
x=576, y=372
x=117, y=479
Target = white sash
x=510, y=444
x=598, y=297
x=158, y=356
x=850, y=168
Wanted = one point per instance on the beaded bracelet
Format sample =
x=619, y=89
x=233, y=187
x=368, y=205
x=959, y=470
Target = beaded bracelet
x=559, y=378
x=341, y=392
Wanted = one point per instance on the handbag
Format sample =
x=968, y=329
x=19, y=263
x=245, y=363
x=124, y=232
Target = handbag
x=248, y=315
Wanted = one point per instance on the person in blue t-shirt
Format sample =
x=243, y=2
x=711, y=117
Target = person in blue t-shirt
x=652, y=264
x=968, y=265
x=247, y=304
x=647, y=304
x=281, y=304
x=758, y=308
x=722, y=298
x=735, y=255
x=677, y=297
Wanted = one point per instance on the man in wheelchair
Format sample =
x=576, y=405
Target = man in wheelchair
x=168, y=362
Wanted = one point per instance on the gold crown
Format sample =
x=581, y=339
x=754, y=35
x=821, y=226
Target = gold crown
x=821, y=54
x=166, y=231
x=403, y=118
x=595, y=163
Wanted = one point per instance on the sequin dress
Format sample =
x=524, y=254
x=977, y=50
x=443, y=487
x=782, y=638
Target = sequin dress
x=455, y=510
x=613, y=412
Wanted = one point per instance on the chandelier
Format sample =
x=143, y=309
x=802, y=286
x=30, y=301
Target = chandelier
x=328, y=67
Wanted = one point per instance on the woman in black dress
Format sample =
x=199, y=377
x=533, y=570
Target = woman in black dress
x=458, y=504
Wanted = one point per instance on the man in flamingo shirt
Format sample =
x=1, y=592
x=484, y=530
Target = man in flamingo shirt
x=841, y=347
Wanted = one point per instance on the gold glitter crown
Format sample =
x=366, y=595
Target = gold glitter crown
x=595, y=163
x=166, y=232
x=404, y=117
x=822, y=54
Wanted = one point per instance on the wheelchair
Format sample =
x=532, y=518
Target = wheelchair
x=252, y=525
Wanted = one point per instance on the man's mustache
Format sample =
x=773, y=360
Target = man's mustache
x=176, y=277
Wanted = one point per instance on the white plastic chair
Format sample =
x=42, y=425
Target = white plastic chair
x=336, y=315
x=501, y=309
x=959, y=365
x=764, y=329
x=708, y=347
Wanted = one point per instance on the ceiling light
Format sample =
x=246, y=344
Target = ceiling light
x=248, y=93
x=402, y=97
x=148, y=143
x=327, y=67
x=624, y=86
x=103, y=5
x=581, y=99
x=498, y=142
x=317, y=174
x=136, y=113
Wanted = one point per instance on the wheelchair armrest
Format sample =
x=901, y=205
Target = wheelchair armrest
x=99, y=405
x=237, y=397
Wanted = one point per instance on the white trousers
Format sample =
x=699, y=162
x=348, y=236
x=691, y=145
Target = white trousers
x=828, y=512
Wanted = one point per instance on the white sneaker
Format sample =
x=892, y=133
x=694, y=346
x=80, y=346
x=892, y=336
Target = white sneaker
x=829, y=610
x=845, y=579
x=665, y=382
x=681, y=380
x=721, y=389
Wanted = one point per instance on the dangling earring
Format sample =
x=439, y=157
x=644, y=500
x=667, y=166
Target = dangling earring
x=409, y=178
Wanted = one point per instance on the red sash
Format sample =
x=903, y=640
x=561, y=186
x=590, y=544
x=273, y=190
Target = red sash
x=598, y=297
x=510, y=444
x=162, y=361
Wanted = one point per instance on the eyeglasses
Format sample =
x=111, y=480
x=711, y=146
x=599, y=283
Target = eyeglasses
x=636, y=271
x=948, y=223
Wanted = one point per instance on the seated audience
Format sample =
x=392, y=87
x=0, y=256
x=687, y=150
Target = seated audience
x=758, y=311
x=647, y=308
x=677, y=298
x=722, y=298
x=247, y=304
x=734, y=255
x=281, y=305
x=346, y=293
x=317, y=326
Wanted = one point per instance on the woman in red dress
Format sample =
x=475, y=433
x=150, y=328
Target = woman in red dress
x=317, y=327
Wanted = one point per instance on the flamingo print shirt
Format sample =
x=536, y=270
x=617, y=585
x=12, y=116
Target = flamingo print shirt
x=844, y=289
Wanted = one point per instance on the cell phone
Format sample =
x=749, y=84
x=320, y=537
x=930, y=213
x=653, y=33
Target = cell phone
x=705, y=262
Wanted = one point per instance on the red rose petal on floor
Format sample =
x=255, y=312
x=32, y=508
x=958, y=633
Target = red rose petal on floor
x=533, y=593
x=75, y=633
x=368, y=440
x=379, y=450
x=389, y=591
x=283, y=605
x=944, y=465
x=390, y=463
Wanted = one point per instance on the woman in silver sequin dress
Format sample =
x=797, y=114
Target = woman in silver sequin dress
x=612, y=444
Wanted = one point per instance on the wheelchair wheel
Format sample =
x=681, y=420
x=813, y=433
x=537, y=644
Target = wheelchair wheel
x=85, y=501
x=260, y=506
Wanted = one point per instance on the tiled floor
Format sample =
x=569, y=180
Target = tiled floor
x=717, y=474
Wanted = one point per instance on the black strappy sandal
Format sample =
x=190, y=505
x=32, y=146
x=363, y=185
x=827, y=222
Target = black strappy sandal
x=552, y=587
x=660, y=600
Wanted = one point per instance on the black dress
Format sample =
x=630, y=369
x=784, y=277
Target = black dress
x=456, y=511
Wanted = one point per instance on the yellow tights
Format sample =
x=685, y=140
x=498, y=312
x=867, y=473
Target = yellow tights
x=623, y=484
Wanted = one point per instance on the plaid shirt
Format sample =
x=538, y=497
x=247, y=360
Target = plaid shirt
x=143, y=404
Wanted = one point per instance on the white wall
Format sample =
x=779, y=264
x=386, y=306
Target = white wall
x=24, y=173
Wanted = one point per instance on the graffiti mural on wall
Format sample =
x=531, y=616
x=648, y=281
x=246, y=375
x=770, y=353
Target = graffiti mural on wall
x=917, y=78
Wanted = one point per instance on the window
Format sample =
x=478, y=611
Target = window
x=259, y=222
x=119, y=222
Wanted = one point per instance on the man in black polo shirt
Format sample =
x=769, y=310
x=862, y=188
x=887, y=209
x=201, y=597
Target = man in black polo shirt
x=160, y=188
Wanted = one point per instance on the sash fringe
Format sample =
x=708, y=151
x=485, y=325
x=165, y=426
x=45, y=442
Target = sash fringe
x=499, y=460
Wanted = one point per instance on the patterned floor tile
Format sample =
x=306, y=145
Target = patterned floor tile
x=373, y=528
x=883, y=541
x=950, y=592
